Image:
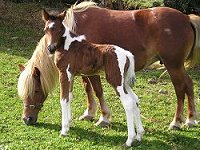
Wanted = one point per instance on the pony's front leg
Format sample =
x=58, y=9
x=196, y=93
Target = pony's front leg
x=65, y=101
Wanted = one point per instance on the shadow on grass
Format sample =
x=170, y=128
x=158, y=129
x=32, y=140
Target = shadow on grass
x=55, y=127
x=159, y=139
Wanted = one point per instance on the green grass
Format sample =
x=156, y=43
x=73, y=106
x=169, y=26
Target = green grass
x=17, y=43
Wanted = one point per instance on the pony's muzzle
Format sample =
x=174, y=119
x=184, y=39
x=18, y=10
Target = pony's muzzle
x=52, y=48
x=29, y=120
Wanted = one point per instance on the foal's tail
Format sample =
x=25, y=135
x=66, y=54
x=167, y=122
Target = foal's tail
x=194, y=57
x=130, y=74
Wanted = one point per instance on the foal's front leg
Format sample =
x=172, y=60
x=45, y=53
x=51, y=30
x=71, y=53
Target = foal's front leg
x=66, y=83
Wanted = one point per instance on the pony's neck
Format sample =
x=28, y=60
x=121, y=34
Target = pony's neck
x=71, y=37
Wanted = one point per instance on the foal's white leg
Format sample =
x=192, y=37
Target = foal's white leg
x=129, y=105
x=137, y=118
x=65, y=116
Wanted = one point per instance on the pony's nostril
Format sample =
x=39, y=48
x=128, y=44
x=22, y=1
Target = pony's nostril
x=28, y=120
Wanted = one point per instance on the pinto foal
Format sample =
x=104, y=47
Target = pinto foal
x=74, y=55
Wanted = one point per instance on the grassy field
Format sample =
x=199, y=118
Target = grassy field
x=18, y=38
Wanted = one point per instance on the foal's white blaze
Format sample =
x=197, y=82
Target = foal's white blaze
x=70, y=39
x=51, y=25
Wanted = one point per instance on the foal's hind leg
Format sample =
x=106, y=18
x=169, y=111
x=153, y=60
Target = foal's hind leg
x=132, y=114
x=104, y=119
x=137, y=119
x=90, y=112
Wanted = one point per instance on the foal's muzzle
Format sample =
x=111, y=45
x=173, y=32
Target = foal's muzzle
x=52, y=48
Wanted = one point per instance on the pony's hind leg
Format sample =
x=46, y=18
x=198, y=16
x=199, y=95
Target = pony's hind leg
x=183, y=85
x=192, y=115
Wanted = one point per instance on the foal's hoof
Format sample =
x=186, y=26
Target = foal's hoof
x=174, y=127
x=86, y=117
x=125, y=146
x=63, y=135
x=103, y=124
x=134, y=144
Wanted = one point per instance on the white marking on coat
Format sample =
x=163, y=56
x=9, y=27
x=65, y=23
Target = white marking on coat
x=168, y=31
x=69, y=75
x=65, y=116
x=70, y=39
x=130, y=99
x=133, y=16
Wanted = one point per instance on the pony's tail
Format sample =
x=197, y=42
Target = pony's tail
x=194, y=57
x=130, y=74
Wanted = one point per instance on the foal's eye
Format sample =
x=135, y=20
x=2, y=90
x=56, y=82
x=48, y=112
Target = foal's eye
x=53, y=28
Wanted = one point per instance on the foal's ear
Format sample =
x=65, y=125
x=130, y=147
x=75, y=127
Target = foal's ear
x=36, y=72
x=62, y=15
x=21, y=67
x=45, y=15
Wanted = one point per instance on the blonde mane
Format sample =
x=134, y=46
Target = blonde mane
x=69, y=20
x=48, y=72
x=41, y=59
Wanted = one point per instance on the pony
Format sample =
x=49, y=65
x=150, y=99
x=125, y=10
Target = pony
x=160, y=33
x=35, y=83
x=74, y=55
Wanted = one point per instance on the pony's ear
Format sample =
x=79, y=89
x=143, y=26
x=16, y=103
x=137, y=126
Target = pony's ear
x=45, y=15
x=36, y=72
x=21, y=67
x=62, y=15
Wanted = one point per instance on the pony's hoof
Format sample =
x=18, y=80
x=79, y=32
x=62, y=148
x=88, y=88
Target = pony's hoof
x=191, y=124
x=86, y=117
x=103, y=124
x=174, y=127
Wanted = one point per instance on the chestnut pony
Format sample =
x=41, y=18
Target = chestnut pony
x=152, y=34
